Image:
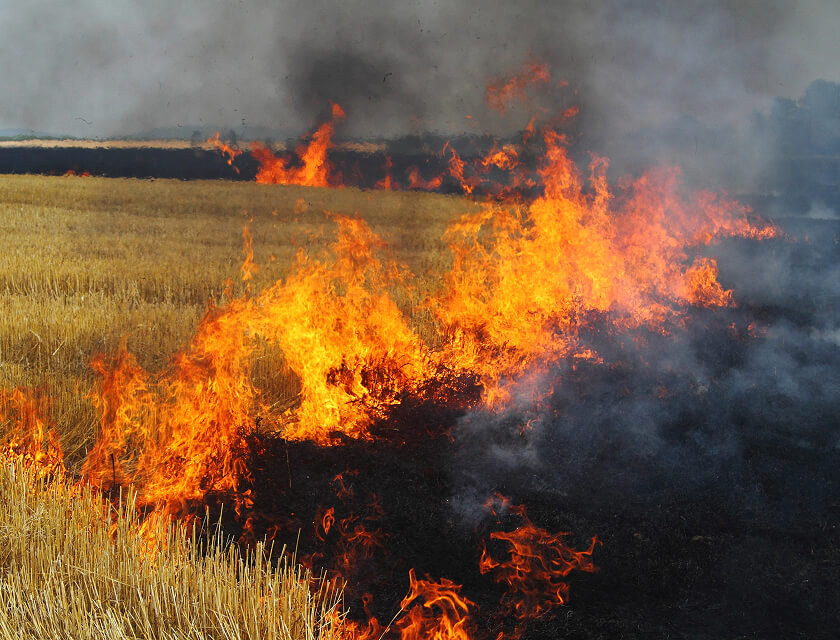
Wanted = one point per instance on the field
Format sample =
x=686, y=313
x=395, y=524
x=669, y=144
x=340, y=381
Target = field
x=88, y=262
x=696, y=439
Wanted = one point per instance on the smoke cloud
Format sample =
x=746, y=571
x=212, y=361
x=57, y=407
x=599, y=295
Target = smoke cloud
x=102, y=69
x=740, y=404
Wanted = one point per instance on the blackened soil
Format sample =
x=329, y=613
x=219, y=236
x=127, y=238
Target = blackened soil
x=674, y=563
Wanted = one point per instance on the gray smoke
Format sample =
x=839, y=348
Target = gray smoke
x=111, y=68
x=748, y=414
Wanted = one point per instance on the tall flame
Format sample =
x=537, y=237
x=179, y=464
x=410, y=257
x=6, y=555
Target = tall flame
x=526, y=277
x=311, y=167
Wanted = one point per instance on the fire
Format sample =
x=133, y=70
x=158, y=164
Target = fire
x=443, y=614
x=32, y=439
x=249, y=267
x=312, y=167
x=416, y=181
x=534, y=568
x=528, y=277
x=344, y=336
x=501, y=92
x=456, y=169
x=387, y=182
x=225, y=149
x=176, y=435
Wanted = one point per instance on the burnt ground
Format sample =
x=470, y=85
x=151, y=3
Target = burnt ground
x=358, y=169
x=678, y=560
x=706, y=461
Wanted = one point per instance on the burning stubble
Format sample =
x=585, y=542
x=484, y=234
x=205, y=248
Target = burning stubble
x=535, y=280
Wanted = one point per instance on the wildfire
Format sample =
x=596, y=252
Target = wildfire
x=311, y=168
x=225, y=149
x=32, y=439
x=443, y=614
x=249, y=267
x=528, y=276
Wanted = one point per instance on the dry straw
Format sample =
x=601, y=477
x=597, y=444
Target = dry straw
x=72, y=565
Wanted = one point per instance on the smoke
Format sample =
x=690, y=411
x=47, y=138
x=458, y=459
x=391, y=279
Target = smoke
x=740, y=404
x=101, y=69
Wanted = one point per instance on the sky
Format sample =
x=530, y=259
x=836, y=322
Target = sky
x=104, y=68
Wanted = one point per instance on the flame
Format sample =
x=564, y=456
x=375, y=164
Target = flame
x=443, y=614
x=526, y=277
x=456, y=169
x=504, y=157
x=249, y=267
x=502, y=91
x=225, y=149
x=416, y=181
x=312, y=167
x=387, y=182
x=534, y=568
x=176, y=435
x=32, y=439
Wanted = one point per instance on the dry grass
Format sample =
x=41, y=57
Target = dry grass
x=74, y=566
x=87, y=262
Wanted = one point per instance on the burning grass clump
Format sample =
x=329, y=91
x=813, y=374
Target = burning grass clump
x=74, y=565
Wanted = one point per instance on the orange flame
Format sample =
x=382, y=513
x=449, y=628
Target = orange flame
x=386, y=183
x=456, y=169
x=525, y=278
x=176, y=435
x=534, y=570
x=443, y=614
x=32, y=439
x=416, y=181
x=225, y=149
x=502, y=91
x=249, y=267
x=314, y=169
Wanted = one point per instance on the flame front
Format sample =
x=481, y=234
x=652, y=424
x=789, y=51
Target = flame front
x=31, y=438
x=528, y=278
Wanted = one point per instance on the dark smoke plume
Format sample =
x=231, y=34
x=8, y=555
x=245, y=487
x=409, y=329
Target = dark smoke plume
x=401, y=68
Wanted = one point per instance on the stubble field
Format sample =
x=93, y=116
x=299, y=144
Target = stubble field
x=86, y=263
x=89, y=264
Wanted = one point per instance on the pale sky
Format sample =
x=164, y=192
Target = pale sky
x=110, y=67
